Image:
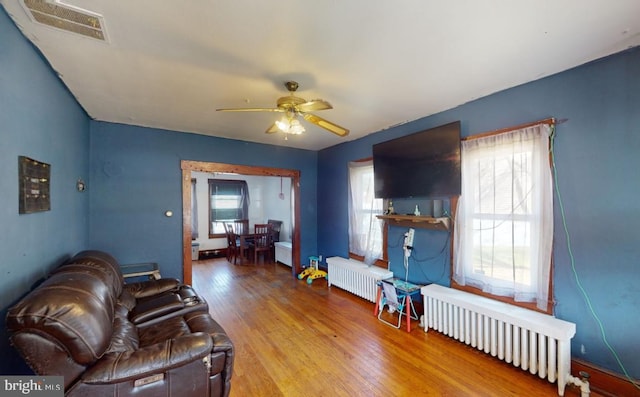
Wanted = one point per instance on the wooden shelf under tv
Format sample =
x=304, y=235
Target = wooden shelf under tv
x=425, y=222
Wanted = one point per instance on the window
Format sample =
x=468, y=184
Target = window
x=365, y=230
x=504, y=221
x=229, y=200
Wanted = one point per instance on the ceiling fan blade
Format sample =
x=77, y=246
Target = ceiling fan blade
x=273, y=129
x=251, y=110
x=327, y=125
x=314, y=105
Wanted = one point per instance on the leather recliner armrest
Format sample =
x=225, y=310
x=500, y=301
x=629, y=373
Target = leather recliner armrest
x=149, y=309
x=203, y=322
x=143, y=289
x=160, y=357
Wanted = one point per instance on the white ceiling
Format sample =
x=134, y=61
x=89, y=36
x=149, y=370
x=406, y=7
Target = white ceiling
x=170, y=64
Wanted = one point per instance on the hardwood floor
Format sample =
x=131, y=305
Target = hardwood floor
x=295, y=339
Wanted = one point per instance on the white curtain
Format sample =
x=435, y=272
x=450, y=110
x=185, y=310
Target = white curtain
x=365, y=230
x=504, y=222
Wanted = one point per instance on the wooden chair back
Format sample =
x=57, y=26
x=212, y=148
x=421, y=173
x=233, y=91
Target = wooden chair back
x=232, y=243
x=262, y=241
x=275, y=230
x=228, y=228
x=261, y=228
x=241, y=226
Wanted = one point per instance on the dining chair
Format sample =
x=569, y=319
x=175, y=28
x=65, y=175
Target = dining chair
x=275, y=230
x=262, y=241
x=241, y=226
x=261, y=228
x=244, y=238
x=232, y=243
x=276, y=225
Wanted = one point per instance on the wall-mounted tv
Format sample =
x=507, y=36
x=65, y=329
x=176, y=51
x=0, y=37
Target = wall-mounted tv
x=422, y=164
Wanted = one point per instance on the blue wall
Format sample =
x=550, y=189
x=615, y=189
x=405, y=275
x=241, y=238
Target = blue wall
x=41, y=120
x=136, y=177
x=597, y=156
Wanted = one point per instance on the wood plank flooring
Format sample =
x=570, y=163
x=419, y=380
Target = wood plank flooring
x=295, y=339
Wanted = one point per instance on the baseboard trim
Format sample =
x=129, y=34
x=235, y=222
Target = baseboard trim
x=603, y=381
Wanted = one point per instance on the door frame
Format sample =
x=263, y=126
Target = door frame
x=189, y=166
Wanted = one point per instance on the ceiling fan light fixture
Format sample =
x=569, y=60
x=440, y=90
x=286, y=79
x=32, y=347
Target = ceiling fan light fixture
x=292, y=107
x=283, y=124
x=290, y=126
x=296, y=128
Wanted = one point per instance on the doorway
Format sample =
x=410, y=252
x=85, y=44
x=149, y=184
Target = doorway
x=188, y=167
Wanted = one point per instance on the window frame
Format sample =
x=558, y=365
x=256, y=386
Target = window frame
x=454, y=207
x=384, y=260
x=211, y=182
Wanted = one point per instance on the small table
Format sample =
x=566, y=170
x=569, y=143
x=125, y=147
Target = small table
x=141, y=269
x=404, y=289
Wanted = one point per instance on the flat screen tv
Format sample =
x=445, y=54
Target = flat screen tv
x=422, y=164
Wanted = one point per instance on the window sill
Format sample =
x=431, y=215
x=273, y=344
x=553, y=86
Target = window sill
x=379, y=262
x=505, y=299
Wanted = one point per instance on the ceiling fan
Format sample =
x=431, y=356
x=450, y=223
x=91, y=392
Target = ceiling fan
x=293, y=106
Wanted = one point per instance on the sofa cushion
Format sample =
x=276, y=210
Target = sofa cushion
x=92, y=269
x=156, y=358
x=74, y=309
x=169, y=328
x=102, y=260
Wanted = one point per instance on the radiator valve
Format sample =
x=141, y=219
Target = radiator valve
x=582, y=382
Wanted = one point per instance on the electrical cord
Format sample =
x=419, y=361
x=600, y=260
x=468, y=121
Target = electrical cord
x=440, y=277
x=405, y=258
x=442, y=250
x=584, y=293
x=437, y=256
x=405, y=262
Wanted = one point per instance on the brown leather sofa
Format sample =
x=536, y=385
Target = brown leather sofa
x=108, y=338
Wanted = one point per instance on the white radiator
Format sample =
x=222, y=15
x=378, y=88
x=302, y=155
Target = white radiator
x=356, y=277
x=527, y=339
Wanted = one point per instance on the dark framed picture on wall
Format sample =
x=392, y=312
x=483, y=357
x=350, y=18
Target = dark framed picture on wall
x=34, y=178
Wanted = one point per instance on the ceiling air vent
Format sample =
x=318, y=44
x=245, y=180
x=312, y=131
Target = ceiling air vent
x=66, y=17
